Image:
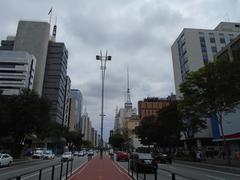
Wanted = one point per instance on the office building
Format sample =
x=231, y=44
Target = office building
x=33, y=37
x=231, y=123
x=17, y=69
x=55, y=79
x=152, y=105
x=67, y=98
x=77, y=95
x=191, y=50
x=51, y=62
x=194, y=47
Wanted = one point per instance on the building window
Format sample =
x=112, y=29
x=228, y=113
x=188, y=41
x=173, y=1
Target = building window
x=202, y=39
x=231, y=37
x=205, y=58
x=214, y=49
x=222, y=40
x=212, y=40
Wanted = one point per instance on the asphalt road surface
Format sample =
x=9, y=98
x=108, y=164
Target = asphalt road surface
x=36, y=165
x=190, y=171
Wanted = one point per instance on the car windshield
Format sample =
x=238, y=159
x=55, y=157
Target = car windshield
x=67, y=153
x=145, y=156
x=48, y=152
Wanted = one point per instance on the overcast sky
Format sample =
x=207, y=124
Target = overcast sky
x=138, y=34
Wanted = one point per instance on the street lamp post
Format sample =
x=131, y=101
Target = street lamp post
x=103, y=60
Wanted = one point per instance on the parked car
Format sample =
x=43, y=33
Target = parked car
x=38, y=154
x=76, y=153
x=163, y=158
x=5, y=160
x=90, y=152
x=66, y=156
x=81, y=153
x=48, y=154
x=122, y=156
x=143, y=162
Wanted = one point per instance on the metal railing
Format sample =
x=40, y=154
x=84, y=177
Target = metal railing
x=67, y=173
x=133, y=167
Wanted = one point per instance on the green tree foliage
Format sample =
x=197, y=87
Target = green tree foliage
x=75, y=138
x=214, y=88
x=162, y=130
x=23, y=115
x=117, y=140
x=86, y=144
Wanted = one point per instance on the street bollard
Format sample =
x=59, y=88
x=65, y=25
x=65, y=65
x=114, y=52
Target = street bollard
x=67, y=170
x=61, y=171
x=128, y=167
x=155, y=175
x=53, y=172
x=40, y=174
x=71, y=166
x=144, y=176
x=173, y=176
x=137, y=172
x=18, y=178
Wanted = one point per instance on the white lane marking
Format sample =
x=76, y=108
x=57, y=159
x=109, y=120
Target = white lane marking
x=214, y=177
x=210, y=170
x=122, y=172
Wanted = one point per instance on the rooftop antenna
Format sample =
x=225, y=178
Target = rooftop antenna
x=50, y=13
x=54, y=33
x=128, y=102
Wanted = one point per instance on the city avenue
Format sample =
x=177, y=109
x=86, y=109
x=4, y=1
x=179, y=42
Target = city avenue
x=36, y=165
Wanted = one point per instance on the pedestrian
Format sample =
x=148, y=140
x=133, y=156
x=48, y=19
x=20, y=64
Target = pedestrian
x=199, y=156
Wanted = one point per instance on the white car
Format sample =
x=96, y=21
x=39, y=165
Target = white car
x=66, y=156
x=38, y=154
x=81, y=153
x=48, y=154
x=5, y=160
x=76, y=153
x=90, y=152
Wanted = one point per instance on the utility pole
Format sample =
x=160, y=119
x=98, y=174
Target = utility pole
x=103, y=60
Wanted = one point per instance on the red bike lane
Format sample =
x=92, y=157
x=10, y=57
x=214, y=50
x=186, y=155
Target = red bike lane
x=100, y=169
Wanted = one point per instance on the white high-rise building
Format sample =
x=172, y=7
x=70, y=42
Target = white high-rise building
x=194, y=47
x=17, y=70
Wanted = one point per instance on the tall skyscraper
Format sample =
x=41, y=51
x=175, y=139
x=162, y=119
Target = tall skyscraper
x=67, y=98
x=33, y=37
x=55, y=79
x=77, y=95
x=51, y=62
x=194, y=47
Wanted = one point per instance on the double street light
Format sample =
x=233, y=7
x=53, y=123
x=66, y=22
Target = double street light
x=103, y=60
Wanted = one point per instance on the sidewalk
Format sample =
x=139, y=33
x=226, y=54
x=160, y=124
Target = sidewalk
x=100, y=169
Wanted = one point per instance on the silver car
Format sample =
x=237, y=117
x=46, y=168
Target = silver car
x=5, y=160
x=67, y=156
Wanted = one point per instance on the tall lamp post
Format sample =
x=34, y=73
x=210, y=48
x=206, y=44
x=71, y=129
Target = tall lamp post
x=103, y=60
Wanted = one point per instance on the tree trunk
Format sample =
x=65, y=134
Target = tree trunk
x=225, y=144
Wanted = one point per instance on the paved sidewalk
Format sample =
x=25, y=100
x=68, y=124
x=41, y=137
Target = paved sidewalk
x=97, y=169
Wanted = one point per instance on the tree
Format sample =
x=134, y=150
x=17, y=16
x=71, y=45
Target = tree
x=117, y=140
x=147, y=131
x=163, y=129
x=214, y=88
x=24, y=114
x=75, y=138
